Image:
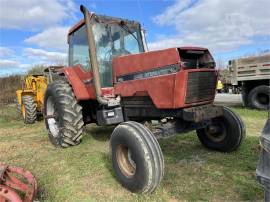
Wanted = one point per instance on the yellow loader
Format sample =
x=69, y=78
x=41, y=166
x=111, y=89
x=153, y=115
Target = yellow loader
x=220, y=86
x=30, y=97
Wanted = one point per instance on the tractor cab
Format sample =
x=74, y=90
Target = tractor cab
x=112, y=37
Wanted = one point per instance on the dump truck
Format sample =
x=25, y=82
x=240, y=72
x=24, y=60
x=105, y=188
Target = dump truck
x=252, y=74
x=113, y=80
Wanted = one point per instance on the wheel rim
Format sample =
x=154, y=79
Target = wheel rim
x=125, y=161
x=52, y=121
x=263, y=98
x=216, y=132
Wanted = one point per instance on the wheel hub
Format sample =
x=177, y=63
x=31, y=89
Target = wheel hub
x=125, y=161
x=216, y=132
x=263, y=98
x=53, y=120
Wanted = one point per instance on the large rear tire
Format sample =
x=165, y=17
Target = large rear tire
x=136, y=157
x=225, y=133
x=259, y=97
x=29, y=109
x=63, y=115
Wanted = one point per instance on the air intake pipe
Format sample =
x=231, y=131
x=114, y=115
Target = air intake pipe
x=93, y=55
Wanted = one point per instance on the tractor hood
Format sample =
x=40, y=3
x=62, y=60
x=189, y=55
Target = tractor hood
x=172, y=78
x=124, y=65
x=145, y=62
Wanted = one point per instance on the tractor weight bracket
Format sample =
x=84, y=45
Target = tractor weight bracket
x=202, y=113
x=2, y=171
x=17, y=184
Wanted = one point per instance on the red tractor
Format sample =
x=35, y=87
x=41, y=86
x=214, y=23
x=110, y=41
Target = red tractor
x=112, y=80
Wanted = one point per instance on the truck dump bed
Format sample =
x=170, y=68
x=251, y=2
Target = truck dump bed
x=251, y=68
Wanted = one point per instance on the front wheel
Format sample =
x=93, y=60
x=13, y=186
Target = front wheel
x=136, y=157
x=29, y=109
x=225, y=133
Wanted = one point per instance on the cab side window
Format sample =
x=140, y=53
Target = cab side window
x=78, y=49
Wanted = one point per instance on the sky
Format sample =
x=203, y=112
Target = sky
x=35, y=31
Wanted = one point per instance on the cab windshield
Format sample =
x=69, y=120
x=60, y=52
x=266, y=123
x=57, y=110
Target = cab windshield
x=114, y=40
x=111, y=39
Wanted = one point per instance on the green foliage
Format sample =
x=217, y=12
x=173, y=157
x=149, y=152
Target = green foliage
x=37, y=69
x=224, y=76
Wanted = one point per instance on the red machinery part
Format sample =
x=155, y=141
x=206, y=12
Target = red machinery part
x=15, y=180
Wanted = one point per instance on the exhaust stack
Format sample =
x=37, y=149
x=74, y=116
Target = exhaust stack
x=93, y=57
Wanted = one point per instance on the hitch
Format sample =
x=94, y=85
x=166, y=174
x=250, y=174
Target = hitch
x=17, y=184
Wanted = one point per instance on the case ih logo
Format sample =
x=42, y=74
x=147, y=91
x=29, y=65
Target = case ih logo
x=169, y=69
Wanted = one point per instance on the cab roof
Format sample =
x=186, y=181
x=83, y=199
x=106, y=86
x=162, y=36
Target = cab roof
x=103, y=18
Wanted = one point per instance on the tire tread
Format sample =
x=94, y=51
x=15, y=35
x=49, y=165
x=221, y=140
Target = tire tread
x=72, y=126
x=30, y=109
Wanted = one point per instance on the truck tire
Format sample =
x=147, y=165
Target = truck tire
x=259, y=97
x=63, y=115
x=136, y=157
x=29, y=109
x=225, y=134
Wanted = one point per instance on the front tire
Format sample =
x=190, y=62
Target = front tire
x=225, y=133
x=136, y=157
x=29, y=109
x=63, y=115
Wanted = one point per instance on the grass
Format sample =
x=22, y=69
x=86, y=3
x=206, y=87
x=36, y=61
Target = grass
x=84, y=172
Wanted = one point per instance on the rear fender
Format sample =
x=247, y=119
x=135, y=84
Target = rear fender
x=19, y=96
x=81, y=82
x=21, y=93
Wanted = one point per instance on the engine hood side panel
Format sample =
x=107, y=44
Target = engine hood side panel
x=129, y=64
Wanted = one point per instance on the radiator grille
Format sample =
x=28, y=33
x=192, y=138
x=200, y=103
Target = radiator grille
x=201, y=86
